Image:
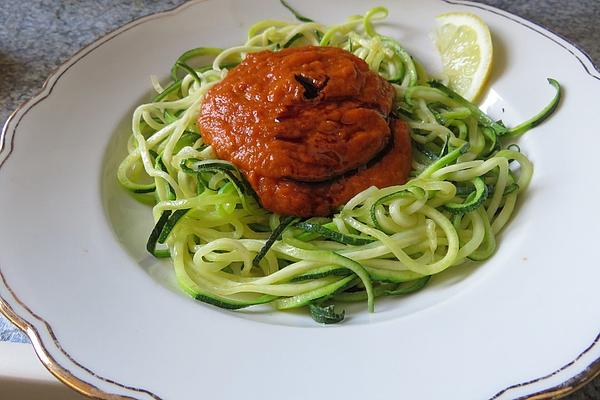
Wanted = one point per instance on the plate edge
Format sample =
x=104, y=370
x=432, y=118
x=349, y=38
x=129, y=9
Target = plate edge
x=567, y=387
x=63, y=374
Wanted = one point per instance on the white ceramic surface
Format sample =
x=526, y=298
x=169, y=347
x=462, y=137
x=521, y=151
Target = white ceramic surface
x=108, y=320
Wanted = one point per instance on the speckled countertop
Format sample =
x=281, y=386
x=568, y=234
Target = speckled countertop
x=38, y=35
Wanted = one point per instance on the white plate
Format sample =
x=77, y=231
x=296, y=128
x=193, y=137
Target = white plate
x=107, y=319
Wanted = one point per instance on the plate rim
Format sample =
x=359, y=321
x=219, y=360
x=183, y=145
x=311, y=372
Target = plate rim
x=62, y=372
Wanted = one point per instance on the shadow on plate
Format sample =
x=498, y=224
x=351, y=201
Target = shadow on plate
x=25, y=389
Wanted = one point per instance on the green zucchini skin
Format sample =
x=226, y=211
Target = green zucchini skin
x=485, y=120
x=448, y=159
x=313, y=295
x=415, y=191
x=321, y=230
x=295, y=13
x=148, y=189
x=292, y=40
x=170, y=224
x=542, y=115
x=390, y=276
x=275, y=235
x=385, y=290
x=193, y=53
x=229, y=304
x=322, y=272
x=409, y=287
x=189, y=70
x=473, y=201
x=172, y=88
x=156, y=231
x=325, y=315
x=229, y=170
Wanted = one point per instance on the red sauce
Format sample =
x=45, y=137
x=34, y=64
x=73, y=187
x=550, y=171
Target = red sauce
x=309, y=128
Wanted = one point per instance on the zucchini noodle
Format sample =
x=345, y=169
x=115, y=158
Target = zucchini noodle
x=230, y=252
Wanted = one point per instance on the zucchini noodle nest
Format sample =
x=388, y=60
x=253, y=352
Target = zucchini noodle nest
x=230, y=252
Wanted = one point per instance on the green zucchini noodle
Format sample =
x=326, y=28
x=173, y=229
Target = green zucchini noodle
x=230, y=252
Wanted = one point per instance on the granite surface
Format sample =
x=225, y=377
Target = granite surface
x=36, y=36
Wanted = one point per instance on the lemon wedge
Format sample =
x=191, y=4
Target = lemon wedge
x=465, y=46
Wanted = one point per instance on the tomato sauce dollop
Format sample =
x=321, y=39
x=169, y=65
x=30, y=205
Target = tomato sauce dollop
x=309, y=127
